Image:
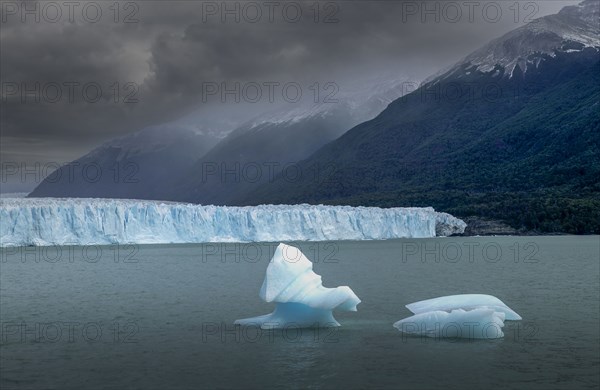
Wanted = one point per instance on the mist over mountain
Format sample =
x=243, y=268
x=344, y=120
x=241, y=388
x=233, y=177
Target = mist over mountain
x=276, y=141
x=174, y=162
x=511, y=132
x=142, y=165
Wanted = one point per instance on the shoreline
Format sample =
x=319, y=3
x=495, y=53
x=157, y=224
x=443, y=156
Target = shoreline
x=477, y=226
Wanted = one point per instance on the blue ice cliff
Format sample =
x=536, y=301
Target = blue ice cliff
x=51, y=221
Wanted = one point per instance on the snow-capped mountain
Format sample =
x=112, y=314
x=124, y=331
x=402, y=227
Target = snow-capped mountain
x=526, y=153
x=574, y=29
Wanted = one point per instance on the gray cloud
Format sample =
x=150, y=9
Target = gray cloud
x=174, y=48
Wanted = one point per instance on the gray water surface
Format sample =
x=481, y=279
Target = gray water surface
x=161, y=317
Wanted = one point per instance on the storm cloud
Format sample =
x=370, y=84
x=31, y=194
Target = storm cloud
x=75, y=74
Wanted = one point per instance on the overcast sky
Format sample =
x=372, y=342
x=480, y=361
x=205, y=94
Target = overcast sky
x=154, y=62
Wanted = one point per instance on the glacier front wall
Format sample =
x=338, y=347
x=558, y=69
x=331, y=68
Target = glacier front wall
x=48, y=221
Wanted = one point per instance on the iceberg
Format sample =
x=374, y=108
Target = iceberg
x=301, y=299
x=472, y=324
x=78, y=221
x=475, y=316
x=465, y=302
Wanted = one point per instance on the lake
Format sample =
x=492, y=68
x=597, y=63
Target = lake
x=161, y=316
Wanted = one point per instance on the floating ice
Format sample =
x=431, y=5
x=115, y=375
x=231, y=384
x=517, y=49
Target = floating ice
x=473, y=324
x=475, y=316
x=50, y=221
x=301, y=299
x=463, y=301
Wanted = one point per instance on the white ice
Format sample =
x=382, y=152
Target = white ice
x=301, y=299
x=51, y=221
x=465, y=302
x=472, y=324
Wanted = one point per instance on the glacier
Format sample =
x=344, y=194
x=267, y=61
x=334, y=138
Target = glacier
x=465, y=302
x=301, y=299
x=79, y=221
x=479, y=323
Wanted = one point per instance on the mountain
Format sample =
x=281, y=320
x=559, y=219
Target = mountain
x=168, y=162
x=512, y=132
x=276, y=141
x=142, y=165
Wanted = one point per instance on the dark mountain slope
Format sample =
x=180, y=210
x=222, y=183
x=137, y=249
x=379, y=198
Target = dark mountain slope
x=517, y=141
x=142, y=165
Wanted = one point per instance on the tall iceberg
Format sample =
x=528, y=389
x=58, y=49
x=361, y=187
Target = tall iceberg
x=301, y=299
x=50, y=221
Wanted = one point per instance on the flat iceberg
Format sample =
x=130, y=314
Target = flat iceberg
x=472, y=324
x=465, y=302
x=474, y=316
x=301, y=299
x=76, y=221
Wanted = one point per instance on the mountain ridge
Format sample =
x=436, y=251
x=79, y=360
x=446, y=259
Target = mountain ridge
x=528, y=156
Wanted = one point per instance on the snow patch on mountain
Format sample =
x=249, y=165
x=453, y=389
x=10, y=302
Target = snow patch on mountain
x=573, y=29
x=360, y=102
